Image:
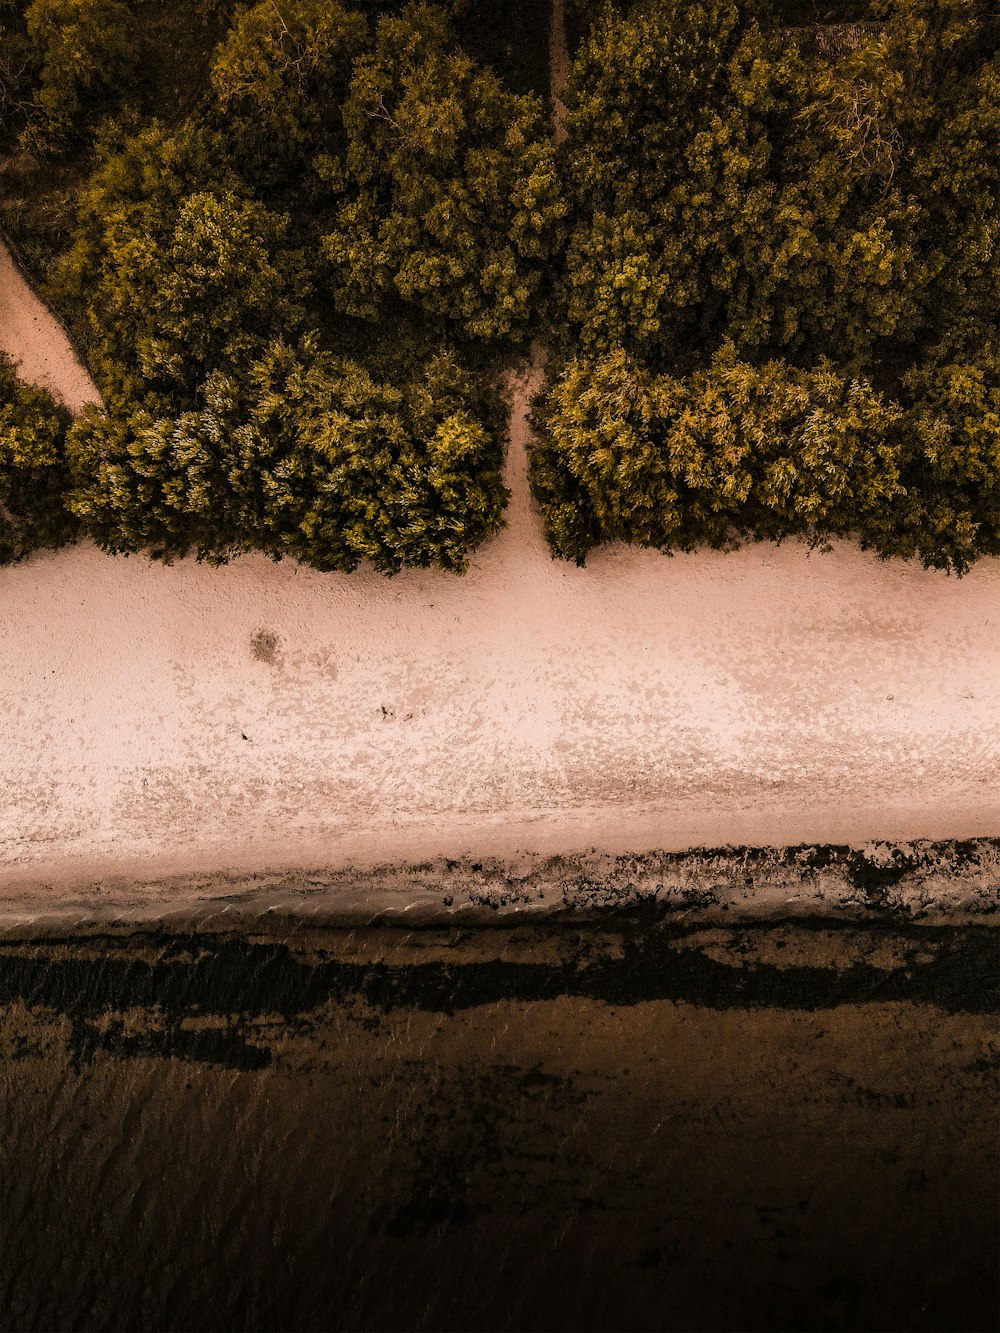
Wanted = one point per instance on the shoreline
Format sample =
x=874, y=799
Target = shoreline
x=952, y=883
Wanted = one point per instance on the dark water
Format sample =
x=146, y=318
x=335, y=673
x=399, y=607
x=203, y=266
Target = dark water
x=630, y=1127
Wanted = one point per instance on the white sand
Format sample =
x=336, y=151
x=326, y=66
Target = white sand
x=32, y=335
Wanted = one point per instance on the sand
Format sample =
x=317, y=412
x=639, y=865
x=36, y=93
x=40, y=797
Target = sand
x=34, y=338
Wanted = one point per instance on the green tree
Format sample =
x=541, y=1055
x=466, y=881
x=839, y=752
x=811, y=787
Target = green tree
x=769, y=451
x=305, y=455
x=280, y=80
x=169, y=485
x=948, y=513
x=451, y=200
x=87, y=52
x=400, y=476
x=666, y=172
x=33, y=471
x=728, y=181
x=781, y=274
x=176, y=271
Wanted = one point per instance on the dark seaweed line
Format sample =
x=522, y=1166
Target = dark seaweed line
x=232, y=976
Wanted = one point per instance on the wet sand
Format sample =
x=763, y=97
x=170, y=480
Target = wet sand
x=943, y=883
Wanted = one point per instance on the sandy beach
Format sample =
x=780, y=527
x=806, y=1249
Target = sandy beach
x=189, y=721
x=166, y=720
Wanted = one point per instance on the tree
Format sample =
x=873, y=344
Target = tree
x=729, y=182
x=666, y=173
x=400, y=476
x=215, y=291
x=781, y=276
x=33, y=470
x=303, y=455
x=451, y=200
x=169, y=485
x=767, y=452
x=87, y=51
x=949, y=511
x=176, y=270
x=280, y=80
x=19, y=71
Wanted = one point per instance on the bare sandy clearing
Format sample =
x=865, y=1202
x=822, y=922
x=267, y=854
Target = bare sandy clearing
x=159, y=720
x=32, y=336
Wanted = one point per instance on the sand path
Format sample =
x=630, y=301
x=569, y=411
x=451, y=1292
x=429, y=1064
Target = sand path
x=34, y=338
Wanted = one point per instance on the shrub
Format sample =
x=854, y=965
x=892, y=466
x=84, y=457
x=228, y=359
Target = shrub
x=766, y=452
x=451, y=200
x=305, y=455
x=33, y=470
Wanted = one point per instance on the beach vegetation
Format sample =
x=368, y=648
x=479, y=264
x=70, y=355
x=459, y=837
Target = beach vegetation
x=782, y=278
x=34, y=473
x=300, y=241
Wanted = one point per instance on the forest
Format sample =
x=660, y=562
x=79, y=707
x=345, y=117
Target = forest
x=299, y=244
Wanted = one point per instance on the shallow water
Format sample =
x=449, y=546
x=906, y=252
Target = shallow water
x=562, y=1127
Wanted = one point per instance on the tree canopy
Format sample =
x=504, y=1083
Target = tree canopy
x=765, y=259
x=727, y=181
x=769, y=451
x=263, y=393
x=303, y=455
x=760, y=215
x=451, y=200
x=34, y=477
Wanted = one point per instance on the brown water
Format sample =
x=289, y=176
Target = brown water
x=779, y=1127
